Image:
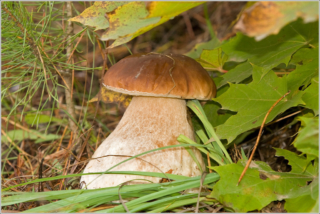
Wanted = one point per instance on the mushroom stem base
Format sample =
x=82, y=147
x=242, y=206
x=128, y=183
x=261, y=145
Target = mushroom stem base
x=148, y=123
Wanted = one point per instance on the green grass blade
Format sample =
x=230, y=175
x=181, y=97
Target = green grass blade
x=71, y=195
x=197, y=109
x=177, y=204
x=152, y=174
x=163, y=202
x=244, y=157
x=210, y=178
x=202, y=135
x=212, y=154
x=189, y=150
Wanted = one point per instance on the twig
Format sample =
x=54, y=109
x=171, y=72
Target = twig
x=100, y=48
x=98, y=138
x=217, y=209
x=63, y=8
x=65, y=170
x=68, y=78
x=104, y=67
x=19, y=25
x=68, y=162
x=64, y=81
x=75, y=47
x=85, y=81
x=40, y=187
x=72, y=82
x=259, y=135
x=285, y=117
x=209, y=162
x=120, y=198
x=76, y=162
x=44, y=69
x=12, y=143
x=89, y=159
x=64, y=132
x=21, y=127
x=43, y=16
x=189, y=25
x=18, y=148
x=203, y=176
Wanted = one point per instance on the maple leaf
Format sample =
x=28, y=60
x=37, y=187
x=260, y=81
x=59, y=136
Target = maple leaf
x=261, y=185
x=252, y=102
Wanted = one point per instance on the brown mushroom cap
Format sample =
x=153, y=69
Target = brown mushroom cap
x=160, y=75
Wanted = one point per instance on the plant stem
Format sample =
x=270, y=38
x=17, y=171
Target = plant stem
x=68, y=75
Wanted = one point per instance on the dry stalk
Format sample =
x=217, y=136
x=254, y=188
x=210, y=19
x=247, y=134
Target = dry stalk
x=259, y=135
x=68, y=76
x=104, y=54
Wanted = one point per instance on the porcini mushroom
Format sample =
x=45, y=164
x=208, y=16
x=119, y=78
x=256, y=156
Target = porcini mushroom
x=156, y=116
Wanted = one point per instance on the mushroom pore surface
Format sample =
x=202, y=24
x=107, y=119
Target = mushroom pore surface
x=148, y=123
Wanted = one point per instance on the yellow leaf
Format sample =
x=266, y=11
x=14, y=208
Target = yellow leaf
x=109, y=96
x=123, y=21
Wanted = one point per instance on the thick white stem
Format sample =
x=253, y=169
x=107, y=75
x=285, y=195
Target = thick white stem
x=147, y=124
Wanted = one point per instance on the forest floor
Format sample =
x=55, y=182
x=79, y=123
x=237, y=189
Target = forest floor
x=52, y=158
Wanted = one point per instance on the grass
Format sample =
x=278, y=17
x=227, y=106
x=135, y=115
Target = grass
x=144, y=197
x=34, y=70
x=154, y=197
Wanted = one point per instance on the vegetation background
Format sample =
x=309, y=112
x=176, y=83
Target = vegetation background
x=52, y=61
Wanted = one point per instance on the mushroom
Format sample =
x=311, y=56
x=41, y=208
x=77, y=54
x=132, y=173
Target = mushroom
x=155, y=117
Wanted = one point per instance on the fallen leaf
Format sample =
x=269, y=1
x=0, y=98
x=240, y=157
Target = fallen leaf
x=123, y=21
x=261, y=185
x=109, y=96
x=311, y=96
x=213, y=59
x=252, y=102
x=308, y=139
x=59, y=154
x=268, y=17
x=199, y=47
x=275, y=49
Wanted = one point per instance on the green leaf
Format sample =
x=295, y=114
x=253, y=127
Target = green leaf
x=311, y=96
x=198, y=48
x=304, y=200
x=252, y=102
x=274, y=49
x=215, y=115
x=237, y=74
x=123, y=21
x=260, y=185
x=307, y=68
x=41, y=118
x=299, y=164
x=95, y=16
x=19, y=135
x=213, y=59
x=308, y=139
x=127, y=19
x=305, y=56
